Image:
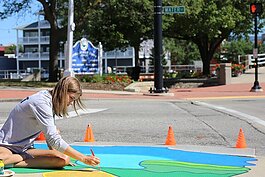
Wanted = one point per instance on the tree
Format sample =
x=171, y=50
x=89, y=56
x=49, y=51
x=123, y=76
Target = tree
x=52, y=12
x=116, y=23
x=10, y=49
x=207, y=23
x=182, y=52
x=152, y=58
x=230, y=50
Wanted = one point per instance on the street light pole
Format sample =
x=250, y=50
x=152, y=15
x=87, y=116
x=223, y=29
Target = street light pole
x=70, y=31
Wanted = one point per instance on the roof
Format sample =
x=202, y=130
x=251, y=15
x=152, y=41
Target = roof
x=2, y=49
x=34, y=25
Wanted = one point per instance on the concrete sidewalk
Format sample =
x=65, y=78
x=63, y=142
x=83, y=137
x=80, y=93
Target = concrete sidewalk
x=239, y=88
x=247, y=78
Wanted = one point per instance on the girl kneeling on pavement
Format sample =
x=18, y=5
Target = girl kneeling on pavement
x=36, y=114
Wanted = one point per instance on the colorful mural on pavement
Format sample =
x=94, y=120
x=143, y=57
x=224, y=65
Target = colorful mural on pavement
x=146, y=161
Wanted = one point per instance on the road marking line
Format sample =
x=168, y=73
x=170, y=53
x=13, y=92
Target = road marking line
x=249, y=118
x=72, y=114
x=224, y=97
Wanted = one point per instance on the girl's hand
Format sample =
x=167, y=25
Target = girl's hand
x=91, y=160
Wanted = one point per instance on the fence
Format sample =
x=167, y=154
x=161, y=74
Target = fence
x=150, y=69
x=250, y=62
x=13, y=74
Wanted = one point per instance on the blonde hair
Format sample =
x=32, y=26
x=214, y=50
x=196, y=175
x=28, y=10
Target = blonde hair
x=59, y=95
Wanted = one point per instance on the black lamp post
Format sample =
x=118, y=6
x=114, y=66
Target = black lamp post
x=256, y=10
x=158, y=84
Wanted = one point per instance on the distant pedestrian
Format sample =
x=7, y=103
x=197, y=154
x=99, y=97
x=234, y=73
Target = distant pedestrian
x=35, y=114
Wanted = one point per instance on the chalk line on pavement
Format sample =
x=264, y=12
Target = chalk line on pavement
x=247, y=117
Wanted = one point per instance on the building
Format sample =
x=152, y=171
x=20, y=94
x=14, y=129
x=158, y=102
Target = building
x=35, y=46
x=7, y=64
x=2, y=51
x=35, y=50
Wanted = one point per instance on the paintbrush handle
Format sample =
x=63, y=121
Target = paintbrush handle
x=92, y=152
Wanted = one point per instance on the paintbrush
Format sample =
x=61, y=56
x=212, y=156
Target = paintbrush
x=93, y=154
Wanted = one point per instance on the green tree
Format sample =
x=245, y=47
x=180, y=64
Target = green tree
x=230, y=50
x=52, y=12
x=182, y=52
x=207, y=23
x=152, y=59
x=261, y=48
x=10, y=49
x=116, y=23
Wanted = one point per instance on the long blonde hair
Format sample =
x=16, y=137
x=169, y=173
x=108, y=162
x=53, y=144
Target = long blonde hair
x=59, y=95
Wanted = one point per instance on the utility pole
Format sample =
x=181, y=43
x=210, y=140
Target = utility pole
x=70, y=30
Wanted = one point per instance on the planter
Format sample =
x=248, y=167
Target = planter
x=236, y=73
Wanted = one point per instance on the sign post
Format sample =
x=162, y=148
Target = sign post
x=100, y=58
x=256, y=10
x=70, y=31
x=158, y=50
x=158, y=83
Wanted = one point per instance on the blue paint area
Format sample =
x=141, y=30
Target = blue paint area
x=131, y=156
x=123, y=160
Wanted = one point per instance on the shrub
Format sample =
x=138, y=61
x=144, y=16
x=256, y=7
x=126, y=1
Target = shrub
x=109, y=79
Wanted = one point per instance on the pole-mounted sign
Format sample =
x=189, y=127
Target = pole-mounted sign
x=173, y=10
x=85, y=58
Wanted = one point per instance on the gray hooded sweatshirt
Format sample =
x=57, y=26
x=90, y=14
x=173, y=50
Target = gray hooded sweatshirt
x=25, y=122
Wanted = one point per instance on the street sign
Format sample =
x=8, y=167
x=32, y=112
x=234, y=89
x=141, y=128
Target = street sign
x=173, y=10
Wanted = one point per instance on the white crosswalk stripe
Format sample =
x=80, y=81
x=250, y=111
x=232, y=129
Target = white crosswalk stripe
x=72, y=114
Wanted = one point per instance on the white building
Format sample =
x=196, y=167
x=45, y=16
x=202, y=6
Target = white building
x=35, y=46
x=35, y=41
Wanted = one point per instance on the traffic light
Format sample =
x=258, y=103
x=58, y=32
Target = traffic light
x=256, y=8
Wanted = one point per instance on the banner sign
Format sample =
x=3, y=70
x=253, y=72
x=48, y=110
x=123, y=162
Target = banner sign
x=85, y=57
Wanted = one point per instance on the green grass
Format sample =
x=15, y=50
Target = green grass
x=18, y=83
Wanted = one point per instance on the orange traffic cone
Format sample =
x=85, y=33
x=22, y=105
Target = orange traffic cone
x=41, y=137
x=89, y=137
x=241, y=142
x=170, y=137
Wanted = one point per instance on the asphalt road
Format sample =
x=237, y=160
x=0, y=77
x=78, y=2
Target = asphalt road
x=207, y=123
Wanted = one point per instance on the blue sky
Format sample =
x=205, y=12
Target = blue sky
x=8, y=34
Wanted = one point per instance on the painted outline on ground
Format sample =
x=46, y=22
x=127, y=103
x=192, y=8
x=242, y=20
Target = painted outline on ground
x=146, y=161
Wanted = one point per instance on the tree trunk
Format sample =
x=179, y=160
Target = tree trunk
x=206, y=66
x=54, y=50
x=203, y=48
x=207, y=49
x=49, y=8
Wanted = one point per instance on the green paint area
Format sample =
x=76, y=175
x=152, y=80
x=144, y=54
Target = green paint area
x=159, y=168
x=162, y=168
x=37, y=170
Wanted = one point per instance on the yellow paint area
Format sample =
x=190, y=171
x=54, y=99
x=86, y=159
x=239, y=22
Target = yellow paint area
x=79, y=173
